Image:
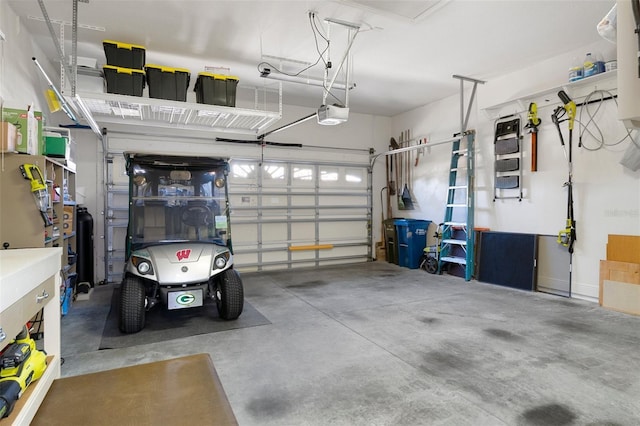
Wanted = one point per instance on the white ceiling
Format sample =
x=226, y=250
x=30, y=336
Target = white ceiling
x=403, y=57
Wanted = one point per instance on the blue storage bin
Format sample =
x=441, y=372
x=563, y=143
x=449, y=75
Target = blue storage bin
x=412, y=239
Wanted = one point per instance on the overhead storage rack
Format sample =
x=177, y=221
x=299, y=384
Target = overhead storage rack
x=123, y=109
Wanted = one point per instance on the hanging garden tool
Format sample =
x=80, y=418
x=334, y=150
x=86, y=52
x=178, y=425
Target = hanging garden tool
x=393, y=179
x=405, y=197
x=420, y=151
x=567, y=236
x=400, y=173
x=532, y=127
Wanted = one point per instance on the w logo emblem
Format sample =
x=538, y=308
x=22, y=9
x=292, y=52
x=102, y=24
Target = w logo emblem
x=183, y=254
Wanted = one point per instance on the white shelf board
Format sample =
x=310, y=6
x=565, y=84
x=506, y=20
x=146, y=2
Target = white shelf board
x=568, y=87
x=122, y=109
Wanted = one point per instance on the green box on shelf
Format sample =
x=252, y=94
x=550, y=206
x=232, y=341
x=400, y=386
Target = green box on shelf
x=30, y=140
x=56, y=146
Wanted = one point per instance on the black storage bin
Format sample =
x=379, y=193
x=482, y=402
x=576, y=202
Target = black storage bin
x=124, y=55
x=216, y=89
x=211, y=89
x=232, y=84
x=84, y=245
x=167, y=83
x=124, y=81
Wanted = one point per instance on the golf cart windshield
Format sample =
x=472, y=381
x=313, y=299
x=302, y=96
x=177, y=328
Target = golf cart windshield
x=177, y=199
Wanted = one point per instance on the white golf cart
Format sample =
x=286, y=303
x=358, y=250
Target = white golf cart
x=179, y=251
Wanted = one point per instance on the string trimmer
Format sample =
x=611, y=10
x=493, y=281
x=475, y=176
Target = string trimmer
x=567, y=236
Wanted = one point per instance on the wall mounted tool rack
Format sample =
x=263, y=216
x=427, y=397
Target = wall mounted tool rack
x=507, y=182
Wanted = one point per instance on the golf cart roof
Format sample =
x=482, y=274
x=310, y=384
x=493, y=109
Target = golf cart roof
x=170, y=161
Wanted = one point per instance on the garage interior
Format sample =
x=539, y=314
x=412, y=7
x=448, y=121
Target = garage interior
x=531, y=313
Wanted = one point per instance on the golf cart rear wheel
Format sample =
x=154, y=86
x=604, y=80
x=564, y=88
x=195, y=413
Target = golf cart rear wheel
x=132, y=311
x=230, y=295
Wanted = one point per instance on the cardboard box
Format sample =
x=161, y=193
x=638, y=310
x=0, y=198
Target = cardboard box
x=8, y=137
x=67, y=214
x=67, y=226
x=29, y=126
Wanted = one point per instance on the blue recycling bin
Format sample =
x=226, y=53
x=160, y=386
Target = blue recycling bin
x=412, y=239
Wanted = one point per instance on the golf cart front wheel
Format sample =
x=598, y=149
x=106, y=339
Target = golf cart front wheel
x=132, y=310
x=229, y=295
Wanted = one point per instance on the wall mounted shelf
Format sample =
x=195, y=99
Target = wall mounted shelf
x=548, y=96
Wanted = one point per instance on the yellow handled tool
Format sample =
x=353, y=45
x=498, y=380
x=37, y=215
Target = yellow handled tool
x=32, y=173
x=532, y=127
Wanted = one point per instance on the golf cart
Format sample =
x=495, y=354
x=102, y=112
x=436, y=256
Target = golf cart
x=179, y=250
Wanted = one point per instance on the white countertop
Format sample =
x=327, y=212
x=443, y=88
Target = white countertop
x=22, y=270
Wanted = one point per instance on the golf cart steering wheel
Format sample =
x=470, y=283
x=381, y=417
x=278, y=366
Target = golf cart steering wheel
x=197, y=216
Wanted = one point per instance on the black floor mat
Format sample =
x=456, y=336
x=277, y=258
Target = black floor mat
x=162, y=325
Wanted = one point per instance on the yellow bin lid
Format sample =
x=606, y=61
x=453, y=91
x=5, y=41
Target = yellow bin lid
x=212, y=75
x=167, y=69
x=122, y=70
x=121, y=45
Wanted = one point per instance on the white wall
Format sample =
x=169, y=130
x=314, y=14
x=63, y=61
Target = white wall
x=607, y=196
x=21, y=83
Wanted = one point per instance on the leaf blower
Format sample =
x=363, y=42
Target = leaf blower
x=20, y=365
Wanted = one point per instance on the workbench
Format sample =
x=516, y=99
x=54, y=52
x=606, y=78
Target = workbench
x=30, y=282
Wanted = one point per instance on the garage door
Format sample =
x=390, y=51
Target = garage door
x=296, y=214
x=284, y=214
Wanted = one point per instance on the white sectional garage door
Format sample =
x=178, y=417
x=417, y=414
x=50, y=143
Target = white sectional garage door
x=294, y=214
x=284, y=213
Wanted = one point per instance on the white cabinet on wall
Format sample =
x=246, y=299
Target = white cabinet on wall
x=628, y=68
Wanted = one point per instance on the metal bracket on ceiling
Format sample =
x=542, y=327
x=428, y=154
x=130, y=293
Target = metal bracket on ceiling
x=464, y=119
x=73, y=71
x=57, y=42
x=353, y=31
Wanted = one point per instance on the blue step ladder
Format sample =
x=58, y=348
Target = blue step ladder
x=457, y=243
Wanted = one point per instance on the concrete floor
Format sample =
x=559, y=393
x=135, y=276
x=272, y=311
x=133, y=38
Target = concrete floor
x=376, y=344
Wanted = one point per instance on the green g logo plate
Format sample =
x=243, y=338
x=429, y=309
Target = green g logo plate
x=185, y=299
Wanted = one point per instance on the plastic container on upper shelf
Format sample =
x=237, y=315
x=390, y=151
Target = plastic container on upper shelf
x=124, y=55
x=167, y=82
x=124, y=81
x=592, y=65
x=216, y=89
x=576, y=70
